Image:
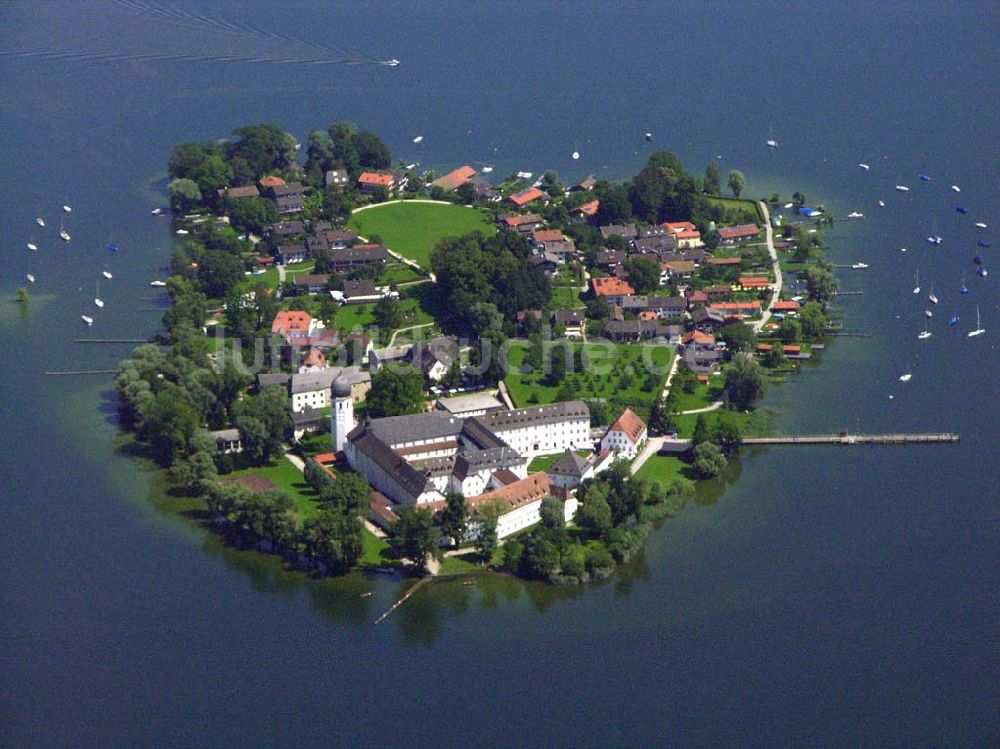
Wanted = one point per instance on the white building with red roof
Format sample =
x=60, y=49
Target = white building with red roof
x=293, y=324
x=626, y=435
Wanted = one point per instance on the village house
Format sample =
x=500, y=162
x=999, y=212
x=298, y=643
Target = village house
x=522, y=198
x=545, y=262
x=466, y=406
x=655, y=244
x=285, y=229
x=686, y=233
x=288, y=254
x=724, y=262
x=269, y=181
x=337, y=239
x=755, y=283
x=572, y=320
x=695, y=297
x=701, y=352
x=525, y=223
x=563, y=249
x=369, y=182
x=587, y=183
x=311, y=283
x=455, y=179
x=614, y=290
x=335, y=178
x=627, y=232
x=586, y=210
x=381, y=357
x=227, y=441
x=738, y=234
x=786, y=307
x=541, y=235
x=707, y=320
x=737, y=310
x=345, y=258
x=289, y=204
x=626, y=435
x=434, y=357
x=294, y=324
x=677, y=270
x=236, y=193
x=570, y=470
x=362, y=291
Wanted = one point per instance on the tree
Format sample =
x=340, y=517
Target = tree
x=744, y=382
x=185, y=158
x=553, y=519
x=701, y=433
x=333, y=539
x=212, y=174
x=372, y=152
x=218, y=272
x=813, y=320
x=791, y=330
x=349, y=492
x=713, y=177
x=263, y=421
x=615, y=207
x=798, y=199
x=265, y=148
x=414, y=535
x=643, y=274
x=540, y=559
x=661, y=419
x=486, y=540
x=712, y=239
x=822, y=284
x=169, y=424
x=396, y=391
x=184, y=194
x=708, y=460
x=388, y=314
x=453, y=517
x=774, y=358
x=598, y=412
x=727, y=434
x=594, y=513
x=738, y=337
x=736, y=182
x=453, y=377
x=251, y=215
x=680, y=488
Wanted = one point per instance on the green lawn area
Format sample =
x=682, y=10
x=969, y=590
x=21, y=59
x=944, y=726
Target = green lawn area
x=662, y=469
x=396, y=272
x=566, y=297
x=287, y=478
x=612, y=384
x=376, y=551
x=460, y=565
x=418, y=302
x=754, y=424
x=702, y=397
x=731, y=204
x=413, y=227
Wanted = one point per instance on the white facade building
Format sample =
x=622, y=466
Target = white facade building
x=626, y=435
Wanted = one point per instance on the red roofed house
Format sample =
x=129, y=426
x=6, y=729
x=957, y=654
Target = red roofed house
x=454, y=180
x=369, y=181
x=293, y=324
x=313, y=361
x=688, y=236
x=626, y=435
x=737, y=309
x=741, y=233
x=612, y=289
x=755, y=283
x=547, y=235
x=526, y=196
x=786, y=306
x=696, y=297
x=791, y=350
x=526, y=222
x=723, y=261
x=271, y=181
x=587, y=209
x=698, y=339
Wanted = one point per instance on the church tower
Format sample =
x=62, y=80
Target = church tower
x=342, y=414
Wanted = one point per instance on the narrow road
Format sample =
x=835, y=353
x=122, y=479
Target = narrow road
x=397, y=331
x=769, y=234
x=716, y=405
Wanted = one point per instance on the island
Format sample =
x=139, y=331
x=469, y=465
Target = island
x=367, y=367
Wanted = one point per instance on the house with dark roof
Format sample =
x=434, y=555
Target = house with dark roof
x=434, y=357
x=289, y=204
x=361, y=291
x=285, y=229
x=236, y=193
x=625, y=231
x=345, y=258
x=570, y=470
x=707, y=320
x=526, y=222
x=335, y=178
x=587, y=183
x=572, y=320
x=293, y=253
x=310, y=283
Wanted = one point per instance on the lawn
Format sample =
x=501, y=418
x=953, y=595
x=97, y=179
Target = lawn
x=662, y=469
x=754, y=424
x=702, y=397
x=608, y=377
x=737, y=204
x=544, y=462
x=461, y=564
x=566, y=297
x=413, y=227
x=287, y=478
x=375, y=551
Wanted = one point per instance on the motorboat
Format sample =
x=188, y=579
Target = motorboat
x=981, y=225
x=182, y=232
x=880, y=203
x=648, y=137
x=855, y=214
x=956, y=188
x=40, y=221
x=157, y=211
x=905, y=377
x=64, y=235
x=576, y=155
x=961, y=209
x=30, y=277
x=772, y=143
x=87, y=319
x=902, y=188
x=924, y=178
x=487, y=169
x=67, y=209
x=982, y=271
x=860, y=266
x=157, y=283
x=864, y=166
x=928, y=313
x=418, y=139
x=391, y=63
x=32, y=246
x=97, y=294
x=107, y=274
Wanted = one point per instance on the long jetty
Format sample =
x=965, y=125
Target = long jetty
x=113, y=340
x=81, y=372
x=894, y=438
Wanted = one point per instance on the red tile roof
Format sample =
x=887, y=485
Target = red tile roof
x=647, y=315
x=512, y=496
x=792, y=349
x=683, y=229
x=588, y=209
x=694, y=297
x=314, y=358
x=784, y=306
x=548, y=235
x=755, y=282
x=513, y=222
x=736, y=306
x=611, y=287
x=454, y=179
x=271, y=181
x=699, y=338
x=376, y=178
x=292, y=322
x=630, y=424
x=723, y=261
x=526, y=196
x=739, y=232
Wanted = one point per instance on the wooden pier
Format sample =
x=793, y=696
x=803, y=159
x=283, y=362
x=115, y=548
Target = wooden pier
x=81, y=372
x=847, y=334
x=113, y=340
x=895, y=438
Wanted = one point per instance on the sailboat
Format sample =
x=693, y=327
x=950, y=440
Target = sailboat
x=925, y=334
x=97, y=294
x=40, y=221
x=87, y=319
x=107, y=274
x=32, y=246
x=905, y=377
x=979, y=326
x=67, y=209
x=933, y=299
x=928, y=313
x=916, y=289
x=63, y=234
x=963, y=288
x=864, y=166
x=30, y=277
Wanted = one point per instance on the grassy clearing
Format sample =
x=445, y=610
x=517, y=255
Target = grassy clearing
x=663, y=470
x=703, y=396
x=287, y=478
x=740, y=204
x=460, y=565
x=566, y=297
x=613, y=384
x=412, y=228
x=376, y=551
x=544, y=462
x=754, y=424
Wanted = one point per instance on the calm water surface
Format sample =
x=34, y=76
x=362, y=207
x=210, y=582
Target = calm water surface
x=829, y=597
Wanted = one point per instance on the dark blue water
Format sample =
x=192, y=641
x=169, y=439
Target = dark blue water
x=829, y=596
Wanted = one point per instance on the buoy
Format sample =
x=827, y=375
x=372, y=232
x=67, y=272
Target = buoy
x=576, y=154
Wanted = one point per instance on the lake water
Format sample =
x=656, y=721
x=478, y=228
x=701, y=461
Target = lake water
x=829, y=597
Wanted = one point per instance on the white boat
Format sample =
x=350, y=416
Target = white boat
x=902, y=188
x=391, y=63
x=67, y=209
x=418, y=139
x=928, y=313
x=182, y=232
x=97, y=294
x=64, y=235
x=924, y=335
x=979, y=326
x=30, y=277
x=156, y=211
x=32, y=246
x=855, y=214
x=525, y=175
x=40, y=221
x=956, y=188
x=107, y=274
x=648, y=136
x=880, y=203
x=771, y=143
x=87, y=319
x=981, y=225
x=487, y=169
x=157, y=283
x=931, y=297
x=860, y=266
x=864, y=166
x=905, y=377
x=916, y=289
x=789, y=205
x=576, y=155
